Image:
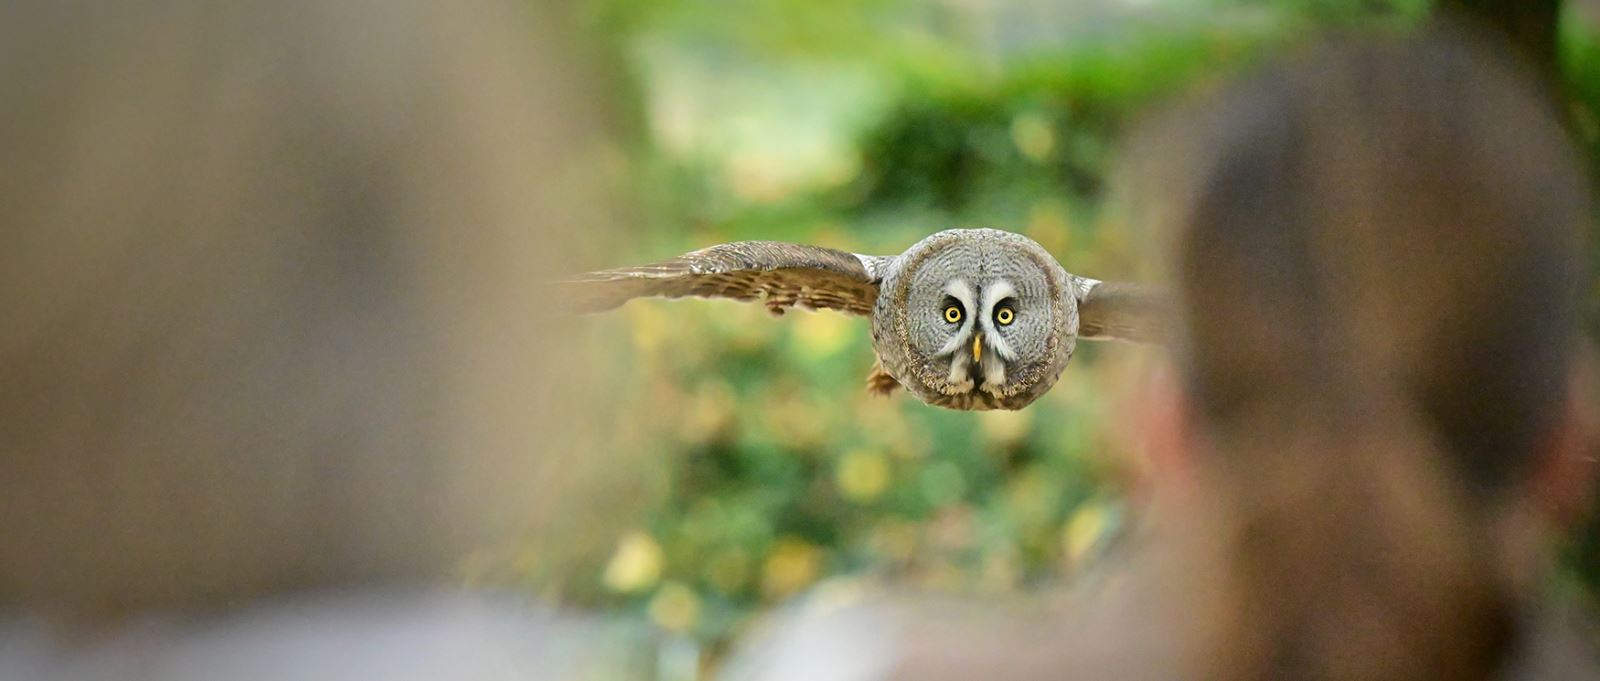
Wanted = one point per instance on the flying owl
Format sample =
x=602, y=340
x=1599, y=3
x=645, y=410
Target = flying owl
x=967, y=319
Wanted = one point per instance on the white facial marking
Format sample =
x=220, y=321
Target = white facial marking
x=999, y=290
x=958, y=381
x=961, y=291
x=979, y=319
x=996, y=292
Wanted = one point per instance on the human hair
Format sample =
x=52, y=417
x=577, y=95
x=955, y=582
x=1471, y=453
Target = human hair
x=270, y=278
x=1378, y=253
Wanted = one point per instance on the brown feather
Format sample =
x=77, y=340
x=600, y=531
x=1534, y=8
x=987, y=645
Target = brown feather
x=783, y=274
x=1119, y=311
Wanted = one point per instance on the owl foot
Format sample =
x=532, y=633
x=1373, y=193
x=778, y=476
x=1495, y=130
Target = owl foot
x=957, y=387
x=880, y=383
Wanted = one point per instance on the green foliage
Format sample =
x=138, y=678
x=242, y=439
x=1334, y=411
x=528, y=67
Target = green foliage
x=1045, y=128
x=1347, y=12
x=778, y=472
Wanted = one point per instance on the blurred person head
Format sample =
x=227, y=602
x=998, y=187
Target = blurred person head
x=1378, y=407
x=271, y=279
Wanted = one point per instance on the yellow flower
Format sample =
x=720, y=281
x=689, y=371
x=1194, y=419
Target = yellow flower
x=821, y=335
x=861, y=476
x=1048, y=224
x=675, y=607
x=1004, y=428
x=710, y=411
x=791, y=566
x=1084, y=530
x=1032, y=134
x=635, y=565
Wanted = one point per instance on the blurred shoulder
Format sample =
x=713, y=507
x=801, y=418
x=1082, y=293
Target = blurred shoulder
x=1107, y=630
x=395, y=636
x=1559, y=643
x=836, y=632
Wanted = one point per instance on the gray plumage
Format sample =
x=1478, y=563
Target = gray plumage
x=965, y=319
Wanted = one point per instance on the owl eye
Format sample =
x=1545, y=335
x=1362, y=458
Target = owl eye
x=1004, y=315
x=952, y=314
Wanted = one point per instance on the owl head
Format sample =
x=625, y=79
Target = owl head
x=976, y=319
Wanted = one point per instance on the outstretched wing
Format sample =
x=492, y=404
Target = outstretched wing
x=1119, y=311
x=782, y=274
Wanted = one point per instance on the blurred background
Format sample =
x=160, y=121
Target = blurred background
x=291, y=339
x=865, y=126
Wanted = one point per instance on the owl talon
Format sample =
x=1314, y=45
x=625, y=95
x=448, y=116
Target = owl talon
x=880, y=383
x=957, y=387
x=882, y=386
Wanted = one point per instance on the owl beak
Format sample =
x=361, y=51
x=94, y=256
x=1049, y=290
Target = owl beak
x=977, y=347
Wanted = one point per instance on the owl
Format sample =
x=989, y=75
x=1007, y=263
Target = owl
x=969, y=319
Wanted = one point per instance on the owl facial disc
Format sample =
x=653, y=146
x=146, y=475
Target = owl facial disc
x=970, y=366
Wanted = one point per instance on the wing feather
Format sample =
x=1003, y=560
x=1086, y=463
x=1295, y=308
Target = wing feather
x=780, y=274
x=1122, y=311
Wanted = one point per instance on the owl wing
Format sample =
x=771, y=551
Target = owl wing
x=1121, y=311
x=781, y=274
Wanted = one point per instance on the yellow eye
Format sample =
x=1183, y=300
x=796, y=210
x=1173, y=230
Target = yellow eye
x=952, y=314
x=1005, y=316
